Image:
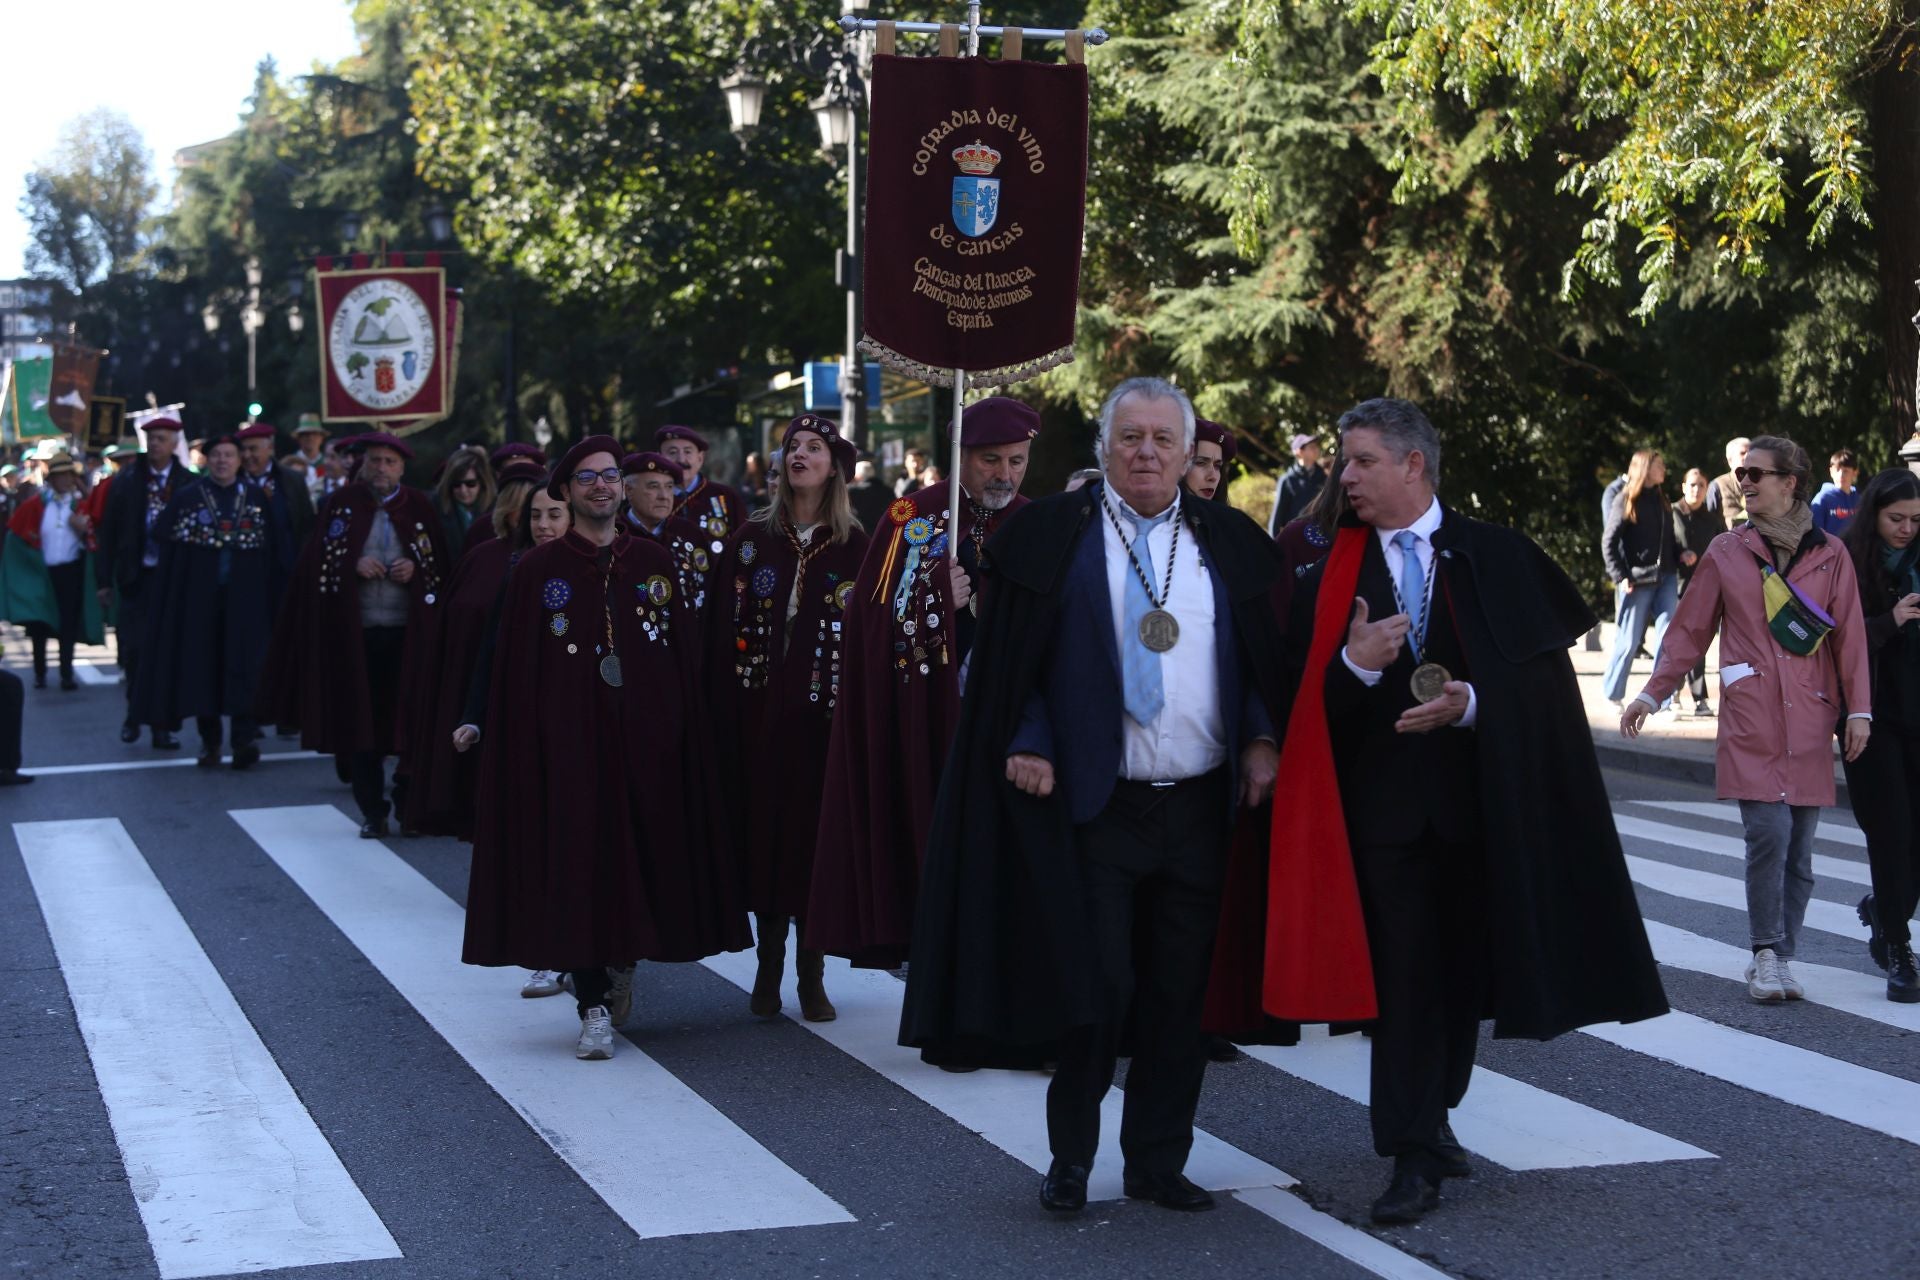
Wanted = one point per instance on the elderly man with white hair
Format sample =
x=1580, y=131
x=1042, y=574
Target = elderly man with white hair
x=1120, y=705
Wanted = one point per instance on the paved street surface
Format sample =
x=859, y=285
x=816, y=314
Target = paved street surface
x=236, y=1038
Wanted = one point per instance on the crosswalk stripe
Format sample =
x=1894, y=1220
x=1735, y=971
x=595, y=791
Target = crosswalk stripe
x=1725, y=891
x=1844, y=869
x=1508, y=1121
x=1007, y=1108
x=1828, y=1086
x=229, y=1172
x=170, y=762
x=662, y=1157
x=1004, y=1107
x=88, y=673
x=1848, y=990
x=1729, y=811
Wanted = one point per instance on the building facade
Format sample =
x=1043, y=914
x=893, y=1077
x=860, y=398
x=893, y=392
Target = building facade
x=26, y=319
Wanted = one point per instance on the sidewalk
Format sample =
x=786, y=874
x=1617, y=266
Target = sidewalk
x=1673, y=746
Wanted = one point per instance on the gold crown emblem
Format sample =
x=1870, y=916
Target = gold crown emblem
x=976, y=158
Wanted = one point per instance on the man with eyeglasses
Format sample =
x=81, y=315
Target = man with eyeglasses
x=361, y=603
x=599, y=807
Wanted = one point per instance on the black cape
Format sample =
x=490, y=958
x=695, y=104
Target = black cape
x=1001, y=952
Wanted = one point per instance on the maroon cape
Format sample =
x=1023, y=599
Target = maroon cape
x=774, y=692
x=440, y=780
x=693, y=556
x=898, y=712
x=599, y=808
x=315, y=679
x=714, y=509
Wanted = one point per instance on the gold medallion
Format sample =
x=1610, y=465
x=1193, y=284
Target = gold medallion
x=1159, y=630
x=1429, y=682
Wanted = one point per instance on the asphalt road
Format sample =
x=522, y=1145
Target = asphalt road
x=238, y=1039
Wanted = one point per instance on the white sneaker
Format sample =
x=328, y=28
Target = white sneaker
x=541, y=982
x=620, y=995
x=1790, y=984
x=596, y=1036
x=1763, y=977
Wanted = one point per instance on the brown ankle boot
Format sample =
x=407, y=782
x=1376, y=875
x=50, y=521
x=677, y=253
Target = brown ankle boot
x=772, y=953
x=810, y=967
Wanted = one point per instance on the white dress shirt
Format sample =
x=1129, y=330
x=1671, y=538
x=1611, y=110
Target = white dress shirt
x=1188, y=737
x=1423, y=530
x=59, y=544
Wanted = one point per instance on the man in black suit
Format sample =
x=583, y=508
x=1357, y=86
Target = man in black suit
x=128, y=555
x=1116, y=683
x=1489, y=877
x=290, y=503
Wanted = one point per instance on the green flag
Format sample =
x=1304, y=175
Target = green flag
x=23, y=407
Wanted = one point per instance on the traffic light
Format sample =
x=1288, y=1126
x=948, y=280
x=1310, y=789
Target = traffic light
x=255, y=409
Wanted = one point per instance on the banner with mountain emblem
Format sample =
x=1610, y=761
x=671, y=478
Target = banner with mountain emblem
x=976, y=203
x=385, y=349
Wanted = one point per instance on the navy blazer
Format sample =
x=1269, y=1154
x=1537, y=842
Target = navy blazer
x=1073, y=716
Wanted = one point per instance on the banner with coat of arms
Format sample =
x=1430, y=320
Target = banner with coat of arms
x=976, y=204
x=386, y=345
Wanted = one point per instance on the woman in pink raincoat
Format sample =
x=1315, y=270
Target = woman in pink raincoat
x=1779, y=702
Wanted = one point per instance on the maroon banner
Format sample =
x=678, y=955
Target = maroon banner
x=385, y=349
x=976, y=203
x=70, y=398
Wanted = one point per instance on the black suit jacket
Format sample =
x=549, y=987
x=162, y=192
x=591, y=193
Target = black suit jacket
x=1395, y=786
x=121, y=540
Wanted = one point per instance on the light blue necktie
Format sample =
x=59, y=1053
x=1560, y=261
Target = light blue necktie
x=1413, y=590
x=1140, y=666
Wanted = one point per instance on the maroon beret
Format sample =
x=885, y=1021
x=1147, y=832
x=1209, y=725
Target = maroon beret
x=362, y=443
x=827, y=429
x=665, y=434
x=639, y=464
x=563, y=473
x=518, y=449
x=998, y=420
x=256, y=431
x=1214, y=433
x=521, y=469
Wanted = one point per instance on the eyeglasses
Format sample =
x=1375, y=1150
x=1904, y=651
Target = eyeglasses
x=1743, y=475
x=586, y=479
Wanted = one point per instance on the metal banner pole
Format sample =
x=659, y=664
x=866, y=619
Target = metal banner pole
x=953, y=465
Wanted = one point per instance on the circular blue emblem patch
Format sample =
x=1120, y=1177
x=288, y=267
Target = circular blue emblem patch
x=938, y=547
x=556, y=594
x=763, y=580
x=1316, y=536
x=206, y=516
x=748, y=552
x=337, y=529
x=558, y=624
x=919, y=531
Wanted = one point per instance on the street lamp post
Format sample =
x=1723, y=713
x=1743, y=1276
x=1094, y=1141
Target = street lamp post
x=252, y=320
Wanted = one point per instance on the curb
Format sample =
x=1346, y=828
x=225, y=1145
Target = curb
x=1618, y=755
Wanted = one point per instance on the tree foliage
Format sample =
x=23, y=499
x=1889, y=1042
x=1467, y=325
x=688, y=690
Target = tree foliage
x=88, y=204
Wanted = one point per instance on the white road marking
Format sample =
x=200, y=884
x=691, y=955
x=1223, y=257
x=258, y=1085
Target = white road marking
x=1351, y=1243
x=1725, y=891
x=662, y=1157
x=228, y=1170
x=1848, y=990
x=1801, y=1077
x=1844, y=869
x=182, y=761
x=88, y=673
x=1508, y=1121
x=1729, y=811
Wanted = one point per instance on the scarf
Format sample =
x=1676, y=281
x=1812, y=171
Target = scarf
x=1783, y=533
x=1903, y=567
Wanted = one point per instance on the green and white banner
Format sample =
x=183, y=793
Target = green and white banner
x=24, y=394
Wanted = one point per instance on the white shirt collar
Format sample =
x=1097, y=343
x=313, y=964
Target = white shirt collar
x=1423, y=528
x=1131, y=516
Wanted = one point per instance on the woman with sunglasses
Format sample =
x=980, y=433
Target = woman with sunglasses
x=1793, y=666
x=464, y=494
x=1884, y=782
x=781, y=592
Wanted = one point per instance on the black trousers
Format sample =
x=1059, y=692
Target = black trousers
x=385, y=646
x=1884, y=785
x=129, y=625
x=68, y=581
x=13, y=697
x=1427, y=936
x=1152, y=864
x=590, y=987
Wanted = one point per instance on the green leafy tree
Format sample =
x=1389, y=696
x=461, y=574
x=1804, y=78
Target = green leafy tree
x=87, y=206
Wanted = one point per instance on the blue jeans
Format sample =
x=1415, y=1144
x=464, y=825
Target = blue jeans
x=1779, y=870
x=1632, y=611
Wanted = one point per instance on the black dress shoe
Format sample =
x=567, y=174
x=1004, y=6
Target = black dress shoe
x=1065, y=1189
x=1876, y=941
x=1453, y=1156
x=67, y=683
x=164, y=741
x=208, y=759
x=39, y=679
x=129, y=732
x=1903, y=982
x=1221, y=1049
x=373, y=830
x=246, y=757
x=1168, y=1190
x=1408, y=1198
x=14, y=778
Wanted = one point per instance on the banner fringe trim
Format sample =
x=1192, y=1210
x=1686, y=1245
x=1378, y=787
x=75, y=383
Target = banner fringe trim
x=940, y=377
